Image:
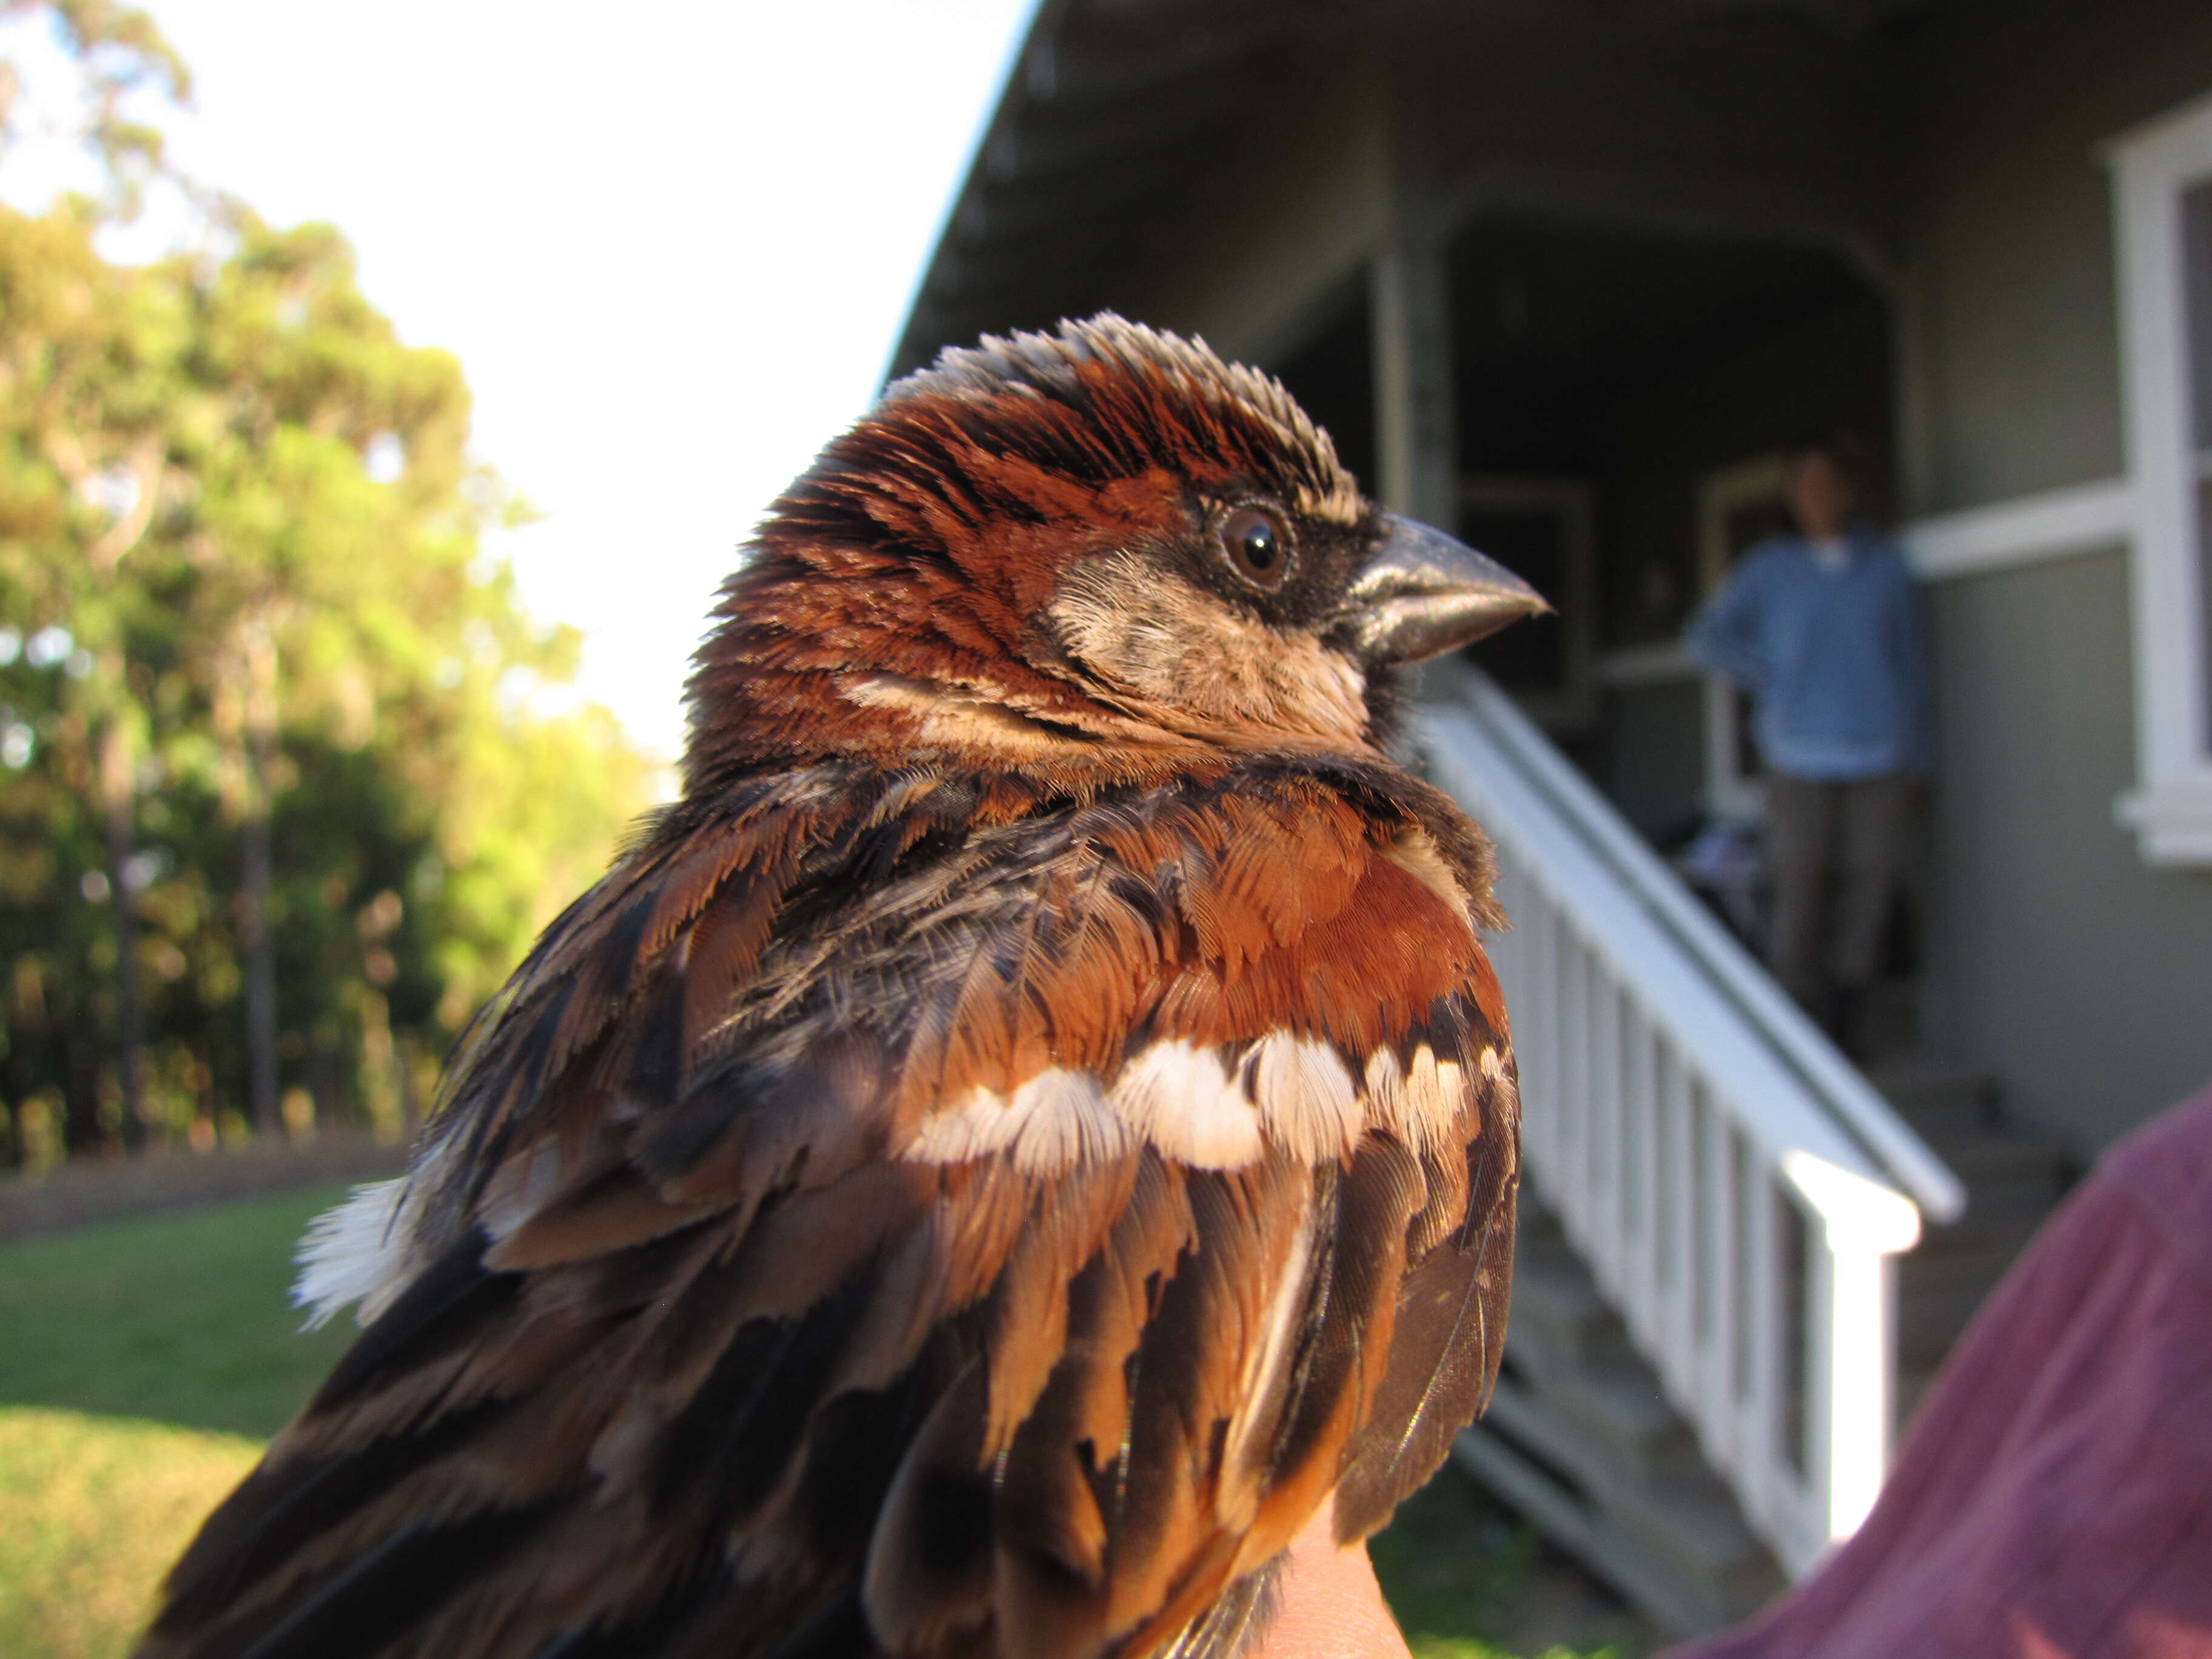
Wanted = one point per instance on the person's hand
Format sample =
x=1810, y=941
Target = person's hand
x=1329, y=1605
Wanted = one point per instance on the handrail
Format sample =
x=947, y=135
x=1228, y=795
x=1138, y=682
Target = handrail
x=1798, y=1043
x=1737, y=1202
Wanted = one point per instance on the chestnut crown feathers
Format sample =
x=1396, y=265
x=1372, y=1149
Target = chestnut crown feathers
x=1105, y=536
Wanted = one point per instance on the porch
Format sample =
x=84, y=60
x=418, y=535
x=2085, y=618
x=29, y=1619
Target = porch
x=1743, y=1258
x=1568, y=279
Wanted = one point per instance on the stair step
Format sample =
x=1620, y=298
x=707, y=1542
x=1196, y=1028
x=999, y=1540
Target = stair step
x=1934, y=1090
x=1995, y=1165
x=1982, y=1230
x=1616, y=1421
x=2014, y=1177
x=1929, y=1323
x=2025, y=1204
x=1558, y=1311
x=1683, y=1610
x=1580, y=1438
x=1684, y=1556
x=1963, y=1273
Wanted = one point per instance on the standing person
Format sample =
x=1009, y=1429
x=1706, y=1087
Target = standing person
x=1825, y=629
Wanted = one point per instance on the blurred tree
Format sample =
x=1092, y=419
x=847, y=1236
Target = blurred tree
x=288, y=784
x=119, y=59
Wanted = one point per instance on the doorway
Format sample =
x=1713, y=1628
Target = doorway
x=1739, y=507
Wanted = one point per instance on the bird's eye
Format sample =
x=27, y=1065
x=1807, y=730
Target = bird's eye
x=1258, y=550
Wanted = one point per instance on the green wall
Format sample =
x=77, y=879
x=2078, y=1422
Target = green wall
x=2011, y=344
x=2059, y=962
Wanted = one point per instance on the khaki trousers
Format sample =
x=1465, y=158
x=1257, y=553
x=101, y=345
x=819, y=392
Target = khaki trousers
x=1854, y=831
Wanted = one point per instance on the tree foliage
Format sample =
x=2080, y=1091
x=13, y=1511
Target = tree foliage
x=233, y=506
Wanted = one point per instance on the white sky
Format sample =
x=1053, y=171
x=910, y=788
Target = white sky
x=671, y=253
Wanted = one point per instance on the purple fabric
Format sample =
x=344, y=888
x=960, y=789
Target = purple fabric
x=2053, y=1500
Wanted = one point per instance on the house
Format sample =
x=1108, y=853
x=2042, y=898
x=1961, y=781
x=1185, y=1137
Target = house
x=1565, y=276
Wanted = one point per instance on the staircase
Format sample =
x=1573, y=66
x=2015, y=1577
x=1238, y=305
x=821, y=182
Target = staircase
x=1580, y=1439
x=1742, y=1259
x=2014, y=1176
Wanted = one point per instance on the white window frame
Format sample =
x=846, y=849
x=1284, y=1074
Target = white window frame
x=2153, y=166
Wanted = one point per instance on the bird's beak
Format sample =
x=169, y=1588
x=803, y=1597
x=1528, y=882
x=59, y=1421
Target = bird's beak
x=1424, y=594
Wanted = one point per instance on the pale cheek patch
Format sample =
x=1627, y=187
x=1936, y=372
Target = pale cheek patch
x=1180, y=649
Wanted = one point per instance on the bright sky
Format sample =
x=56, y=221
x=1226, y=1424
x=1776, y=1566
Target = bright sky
x=672, y=253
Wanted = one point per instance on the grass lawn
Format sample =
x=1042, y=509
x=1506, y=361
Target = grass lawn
x=144, y=1363
x=94, y=1509
x=1470, y=1579
x=180, y=1318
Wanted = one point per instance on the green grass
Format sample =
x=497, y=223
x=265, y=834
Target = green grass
x=180, y=1319
x=1469, y=1579
x=94, y=1509
x=142, y=1364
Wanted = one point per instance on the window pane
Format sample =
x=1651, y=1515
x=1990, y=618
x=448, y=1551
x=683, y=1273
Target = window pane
x=2197, y=256
x=1532, y=543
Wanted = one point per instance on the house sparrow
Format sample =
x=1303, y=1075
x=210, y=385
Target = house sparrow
x=1031, y=1125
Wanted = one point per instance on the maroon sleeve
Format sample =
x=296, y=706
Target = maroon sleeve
x=2054, y=1496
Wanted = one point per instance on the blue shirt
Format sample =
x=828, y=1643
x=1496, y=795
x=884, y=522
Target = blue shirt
x=1835, y=656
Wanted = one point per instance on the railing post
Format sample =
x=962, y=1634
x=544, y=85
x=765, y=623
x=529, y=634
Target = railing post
x=1640, y=1173
x=1717, y=1213
x=1858, y=1385
x=1606, y=1112
x=1854, y=1320
x=1678, y=1217
x=1542, y=979
x=1572, y=1102
x=1765, y=1330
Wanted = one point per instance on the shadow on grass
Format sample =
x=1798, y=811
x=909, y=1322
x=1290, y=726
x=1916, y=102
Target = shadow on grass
x=178, y=1319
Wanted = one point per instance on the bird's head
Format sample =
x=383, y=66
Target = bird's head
x=1099, y=550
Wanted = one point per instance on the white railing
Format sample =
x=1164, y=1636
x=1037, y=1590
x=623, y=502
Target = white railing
x=1737, y=1187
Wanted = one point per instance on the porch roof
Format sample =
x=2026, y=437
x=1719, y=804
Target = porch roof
x=1116, y=111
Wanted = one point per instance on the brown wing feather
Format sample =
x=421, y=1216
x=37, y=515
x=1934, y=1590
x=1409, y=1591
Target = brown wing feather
x=708, y=1358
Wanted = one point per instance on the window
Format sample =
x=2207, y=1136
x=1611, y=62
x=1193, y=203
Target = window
x=1540, y=528
x=2162, y=215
